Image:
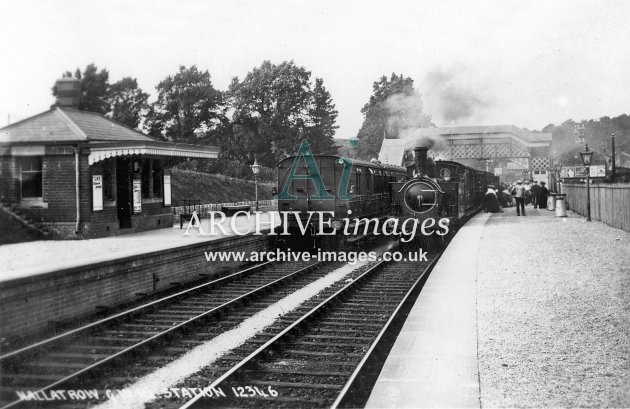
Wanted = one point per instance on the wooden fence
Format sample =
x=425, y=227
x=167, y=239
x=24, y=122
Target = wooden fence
x=610, y=203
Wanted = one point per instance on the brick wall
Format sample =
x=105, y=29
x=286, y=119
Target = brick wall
x=29, y=305
x=9, y=182
x=58, y=189
x=58, y=194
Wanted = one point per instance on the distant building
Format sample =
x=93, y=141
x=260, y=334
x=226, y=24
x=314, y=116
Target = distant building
x=505, y=150
x=84, y=175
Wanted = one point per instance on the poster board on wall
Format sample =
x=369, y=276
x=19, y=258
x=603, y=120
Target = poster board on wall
x=597, y=171
x=97, y=193
x=167, y=187
x=137, y=196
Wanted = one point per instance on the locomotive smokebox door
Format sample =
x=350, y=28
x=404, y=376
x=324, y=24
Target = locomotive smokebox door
x=421, y=198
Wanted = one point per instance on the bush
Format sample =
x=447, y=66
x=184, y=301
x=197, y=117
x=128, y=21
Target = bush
x=228, y=167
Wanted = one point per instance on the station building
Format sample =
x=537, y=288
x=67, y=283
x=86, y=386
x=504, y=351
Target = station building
x=509, y=152
x=83, y=175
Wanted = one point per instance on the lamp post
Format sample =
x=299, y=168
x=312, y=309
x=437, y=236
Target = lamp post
x=256, y=169
x=587, y=155
x=558, y=167
x=612, y=138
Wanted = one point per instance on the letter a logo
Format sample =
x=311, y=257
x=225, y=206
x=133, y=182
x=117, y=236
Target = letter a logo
x=305, y=152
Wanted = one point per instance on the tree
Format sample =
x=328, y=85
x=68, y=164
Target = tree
x=322, y=115
x=274, y=108
x=188, y=107
x=127, y=102
x=94, y=86
x=394, y=108
x=567, y=146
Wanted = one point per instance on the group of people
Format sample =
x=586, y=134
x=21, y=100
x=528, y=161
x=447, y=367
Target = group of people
x=523, y=193
x=526, y=193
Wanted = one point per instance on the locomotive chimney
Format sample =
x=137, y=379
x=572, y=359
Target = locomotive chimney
x=421, y=159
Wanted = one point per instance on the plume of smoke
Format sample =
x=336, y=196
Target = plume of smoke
x=421, y=138
x=451, y=96
x=406, y=120
x=405, y=111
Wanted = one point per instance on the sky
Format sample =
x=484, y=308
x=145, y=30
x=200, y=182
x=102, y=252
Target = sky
x=523, y=63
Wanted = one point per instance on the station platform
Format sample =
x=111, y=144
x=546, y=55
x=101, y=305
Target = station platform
x=27, y=259
x=527, y=311
x=47, y=285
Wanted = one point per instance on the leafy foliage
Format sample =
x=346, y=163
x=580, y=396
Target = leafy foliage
x=274, y=108
x=597, y=134
x=322, y=116
x=188, y=107
x=94, y=86
x=394, y=107
x=127, y=102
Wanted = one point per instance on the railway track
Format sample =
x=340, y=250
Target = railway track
x=151, y=333
x=325, y=357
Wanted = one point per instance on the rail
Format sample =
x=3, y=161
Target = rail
x=355, y=392
x=378, y=276
x=226, y=305
x=273, y=342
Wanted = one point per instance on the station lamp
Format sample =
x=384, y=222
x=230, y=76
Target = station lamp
x=558, y=167
x=256, y=169
x=587, y=155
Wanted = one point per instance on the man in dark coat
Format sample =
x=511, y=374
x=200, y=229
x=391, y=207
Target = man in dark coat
x=535, y=191
x=542, y=198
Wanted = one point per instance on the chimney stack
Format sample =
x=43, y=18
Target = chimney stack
x=421, y=160
x=68, y=92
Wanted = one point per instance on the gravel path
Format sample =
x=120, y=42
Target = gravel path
x=553, y=300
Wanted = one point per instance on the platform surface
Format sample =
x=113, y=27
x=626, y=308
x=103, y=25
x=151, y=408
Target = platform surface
x=527, y=311
x=39, y=257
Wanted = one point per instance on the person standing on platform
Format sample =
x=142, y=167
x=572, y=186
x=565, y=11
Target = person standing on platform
x=535, y=191
x=519, y=194
x=542, y=198
x=491, y=202
x=528, y=195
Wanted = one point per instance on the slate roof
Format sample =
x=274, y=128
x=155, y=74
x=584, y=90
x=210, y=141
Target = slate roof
x=60, y=125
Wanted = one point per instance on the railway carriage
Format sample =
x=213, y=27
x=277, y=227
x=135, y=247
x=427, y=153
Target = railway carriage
x=353, y=190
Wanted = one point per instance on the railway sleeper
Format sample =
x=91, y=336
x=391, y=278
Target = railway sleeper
x=300, y=371
x=302, y=352
x=299, y=385
x=339, y=338
x=316, y=344
x=332, y=323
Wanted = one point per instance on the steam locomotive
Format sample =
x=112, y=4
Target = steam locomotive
x=328, y=201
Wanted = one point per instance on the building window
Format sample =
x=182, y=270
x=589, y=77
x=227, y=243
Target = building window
x=31, y=176
x=146, y=178
x=108, y=184
x=156, y=170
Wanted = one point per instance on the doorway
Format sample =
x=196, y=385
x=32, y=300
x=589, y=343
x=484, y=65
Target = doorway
x=123, y=192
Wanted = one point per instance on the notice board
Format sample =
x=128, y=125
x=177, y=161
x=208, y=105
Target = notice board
x=97, y=192
x=167, y=188
x=137, y=196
